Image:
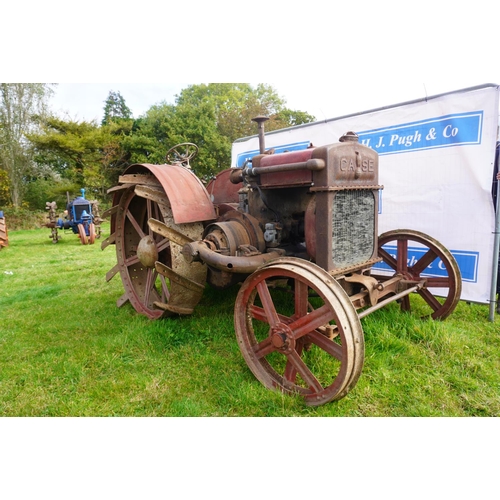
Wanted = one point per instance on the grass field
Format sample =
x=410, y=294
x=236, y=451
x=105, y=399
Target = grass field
x=67, y=350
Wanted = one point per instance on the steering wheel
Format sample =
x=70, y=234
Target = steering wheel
x=181, y=154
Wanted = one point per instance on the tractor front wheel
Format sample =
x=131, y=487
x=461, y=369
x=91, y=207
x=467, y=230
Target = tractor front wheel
x=298, y=331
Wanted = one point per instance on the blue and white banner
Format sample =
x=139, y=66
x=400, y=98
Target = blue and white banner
x=436, y=165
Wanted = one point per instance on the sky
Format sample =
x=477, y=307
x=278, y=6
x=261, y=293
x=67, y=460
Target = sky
x=328, y=59
x=85, y=101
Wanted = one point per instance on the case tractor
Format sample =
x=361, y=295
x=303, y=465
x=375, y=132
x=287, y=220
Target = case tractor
x=298, y=231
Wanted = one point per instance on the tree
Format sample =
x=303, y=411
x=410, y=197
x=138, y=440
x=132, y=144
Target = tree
x=82, y=152
x=115, y=108
x=20, y=106
x=214, y=115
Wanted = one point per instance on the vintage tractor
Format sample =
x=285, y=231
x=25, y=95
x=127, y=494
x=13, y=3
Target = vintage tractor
x=81, y=216
x=298, y=230
x=4, y=235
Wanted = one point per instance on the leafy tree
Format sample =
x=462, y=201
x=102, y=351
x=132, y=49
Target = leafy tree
x=20, y=105
x=82, y=152
x=115, y=108
x=214, y=115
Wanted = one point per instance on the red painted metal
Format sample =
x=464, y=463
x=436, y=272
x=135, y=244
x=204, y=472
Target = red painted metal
x=188, y=197
x=221, y=190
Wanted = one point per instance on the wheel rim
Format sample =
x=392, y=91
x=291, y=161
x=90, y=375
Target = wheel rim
x=440, y=294
x=284, y=333
x=82, y=235
x=139, y=250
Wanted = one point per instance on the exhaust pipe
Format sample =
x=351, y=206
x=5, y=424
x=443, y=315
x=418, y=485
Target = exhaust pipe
x=200, y=251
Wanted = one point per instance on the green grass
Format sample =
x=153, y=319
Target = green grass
x=67, y=350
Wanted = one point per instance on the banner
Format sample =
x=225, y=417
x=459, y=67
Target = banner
x=436, y=165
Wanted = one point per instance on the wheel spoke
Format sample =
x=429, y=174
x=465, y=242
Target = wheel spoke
x=165, y=293
x=259, y=314
x=133, y=259
x=388, y=258
x=267, y=303
x=313, y=320
x=402, y=256
x=301, y=298
x=424, y=261
x=430, y=299
x=303, y=370
x=329, y=346
x=138, y=228
x=263, y=348
x=162, y=245
x=150, y=282
x=290, y=372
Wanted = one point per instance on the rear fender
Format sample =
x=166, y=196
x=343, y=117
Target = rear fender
x=188, y=197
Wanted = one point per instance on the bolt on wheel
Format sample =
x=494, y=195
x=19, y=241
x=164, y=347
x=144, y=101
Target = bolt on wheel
x=298, y=331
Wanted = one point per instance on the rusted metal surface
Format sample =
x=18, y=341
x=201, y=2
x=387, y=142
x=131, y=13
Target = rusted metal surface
x=447, y=285
x=188, y=198
x=4, y=236
x=222, y=190
x=145, y=257
x=276, y=326
x=299, y=230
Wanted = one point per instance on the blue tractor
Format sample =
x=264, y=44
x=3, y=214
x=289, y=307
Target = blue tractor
x=81, y=216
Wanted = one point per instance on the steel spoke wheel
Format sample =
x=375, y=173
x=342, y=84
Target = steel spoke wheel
x=157, y=280
x=417, y=257
x=298, y=331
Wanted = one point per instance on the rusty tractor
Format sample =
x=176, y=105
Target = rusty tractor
x=298, y=232
x=81, y=217
x=4, y=235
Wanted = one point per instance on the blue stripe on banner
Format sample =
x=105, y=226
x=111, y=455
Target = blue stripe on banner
x=248, y=155
x=440, y=132
x=467, y=262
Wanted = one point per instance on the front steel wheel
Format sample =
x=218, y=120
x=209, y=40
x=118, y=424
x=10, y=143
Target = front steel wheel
x=416, y=257
x=298, y=331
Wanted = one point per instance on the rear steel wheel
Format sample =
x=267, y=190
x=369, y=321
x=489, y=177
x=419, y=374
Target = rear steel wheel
x=157, y=280
x=298, y=331
x=417, y=257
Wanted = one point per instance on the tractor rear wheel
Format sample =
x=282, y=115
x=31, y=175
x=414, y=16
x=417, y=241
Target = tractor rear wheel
x=298, y=331
x=157, y=279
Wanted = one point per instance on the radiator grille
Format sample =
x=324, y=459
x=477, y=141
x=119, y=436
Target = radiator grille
x=353, y=227
x=79, y=210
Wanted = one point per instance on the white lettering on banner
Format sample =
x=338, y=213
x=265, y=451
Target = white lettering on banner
x=449, y=130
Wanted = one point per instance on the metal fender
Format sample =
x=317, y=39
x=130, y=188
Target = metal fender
x=188, y=197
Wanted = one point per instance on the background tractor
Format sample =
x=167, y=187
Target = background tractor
x=81, y=217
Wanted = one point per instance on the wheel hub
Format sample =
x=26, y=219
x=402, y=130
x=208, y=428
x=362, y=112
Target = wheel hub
x=281, y=337
x=147, y=252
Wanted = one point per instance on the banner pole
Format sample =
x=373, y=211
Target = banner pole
x=496, y=248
